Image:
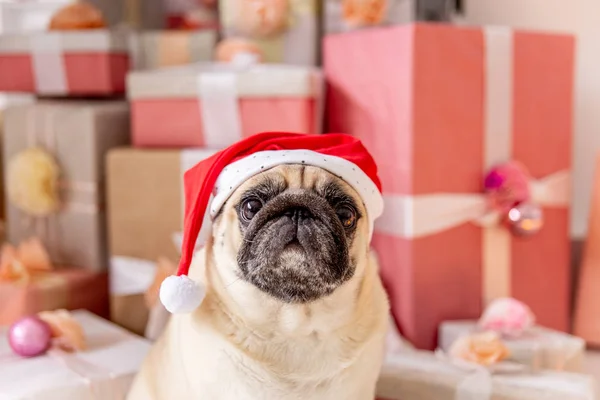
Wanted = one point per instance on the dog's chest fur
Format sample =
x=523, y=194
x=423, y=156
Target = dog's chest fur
x=306, y=365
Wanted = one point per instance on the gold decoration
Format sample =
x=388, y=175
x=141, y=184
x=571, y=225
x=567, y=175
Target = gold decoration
x=32, y=182
x=77, y=16
x=484, y=348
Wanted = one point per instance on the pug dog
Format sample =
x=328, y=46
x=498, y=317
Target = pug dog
x=294, y=309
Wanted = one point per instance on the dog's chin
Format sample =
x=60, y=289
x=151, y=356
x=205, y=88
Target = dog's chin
x=296, y=262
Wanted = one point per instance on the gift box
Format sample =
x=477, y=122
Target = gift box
x=456, y=102
x=587, y=307
x=422, y=375
x=346, y=15
x=67, y=288
x=140, y=231
x=170, y=48
x=76, y=63
x=538, y=347
x=215, y=105
x=104, y=371
x=54, y=172
x=286, y=32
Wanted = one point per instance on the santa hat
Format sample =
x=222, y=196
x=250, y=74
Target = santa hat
x=221, y=174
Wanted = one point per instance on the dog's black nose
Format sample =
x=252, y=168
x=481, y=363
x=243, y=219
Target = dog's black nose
x=297, y=213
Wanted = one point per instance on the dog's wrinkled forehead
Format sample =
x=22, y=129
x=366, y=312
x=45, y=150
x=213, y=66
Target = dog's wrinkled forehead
x=275, y=181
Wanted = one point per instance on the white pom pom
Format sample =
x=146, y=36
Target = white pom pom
x=180, y=294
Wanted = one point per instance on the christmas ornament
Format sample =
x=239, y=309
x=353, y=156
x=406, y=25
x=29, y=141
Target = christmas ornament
x=220, y=175
x=30, y=337
x=525, y=219
x=506, y=186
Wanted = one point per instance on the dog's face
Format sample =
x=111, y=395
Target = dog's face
x=294, y=232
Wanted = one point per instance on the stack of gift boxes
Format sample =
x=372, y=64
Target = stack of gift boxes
x=453, y=115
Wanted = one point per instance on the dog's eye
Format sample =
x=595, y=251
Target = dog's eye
x=249, y=208
x=347, y=216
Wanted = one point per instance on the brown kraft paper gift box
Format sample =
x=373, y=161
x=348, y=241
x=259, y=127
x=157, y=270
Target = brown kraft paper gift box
x=71, y=289
x=76, y=135
x=141, y=231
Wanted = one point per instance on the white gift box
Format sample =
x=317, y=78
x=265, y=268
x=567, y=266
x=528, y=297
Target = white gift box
x=422, y=375
x=104, y=371
x=538, y=347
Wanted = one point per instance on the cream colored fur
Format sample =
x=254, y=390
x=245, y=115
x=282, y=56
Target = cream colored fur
x=242, y=344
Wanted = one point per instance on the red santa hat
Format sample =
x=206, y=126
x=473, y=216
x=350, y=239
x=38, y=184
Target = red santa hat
x=216, y=178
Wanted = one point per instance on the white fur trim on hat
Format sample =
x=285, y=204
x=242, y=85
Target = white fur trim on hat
x=236, y=173
x=180, y=294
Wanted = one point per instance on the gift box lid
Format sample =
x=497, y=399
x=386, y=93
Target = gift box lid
x=259, y=80
x=112, y=353
x=117, y=40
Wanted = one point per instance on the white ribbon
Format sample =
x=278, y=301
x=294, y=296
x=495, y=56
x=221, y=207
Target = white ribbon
x=412, y=217
x=130, y=275
x=219, y=108
x=219, y=102
x=48, y=63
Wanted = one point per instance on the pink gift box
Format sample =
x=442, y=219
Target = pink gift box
x=214, y=105
x=587, y=308
x=453, y=103
x=82, y=63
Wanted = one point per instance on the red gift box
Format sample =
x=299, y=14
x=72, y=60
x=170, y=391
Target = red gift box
x=438, y=106
x=82, y=63
x=214, y=105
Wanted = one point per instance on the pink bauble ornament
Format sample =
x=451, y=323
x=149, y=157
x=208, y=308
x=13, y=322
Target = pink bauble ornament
x=262, y=18
x=30, y=337
x=525, y=219
x=507, y=185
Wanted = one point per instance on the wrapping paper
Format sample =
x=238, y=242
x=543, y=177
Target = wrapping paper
x=298, y=44
x=142, y=231
x=104, y=371
x=84, y=63
x=214, y=105
x=393, y=12
x=70, y=289
x=538, y=348
x=171, y=48
x=421, y=375
x=77, y=134
x=587, y=307
x=6, y=101
x=457, y=102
